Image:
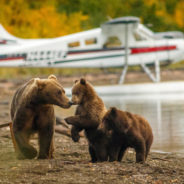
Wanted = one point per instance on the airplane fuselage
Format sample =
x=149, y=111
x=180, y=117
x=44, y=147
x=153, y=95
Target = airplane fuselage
x=90, y=48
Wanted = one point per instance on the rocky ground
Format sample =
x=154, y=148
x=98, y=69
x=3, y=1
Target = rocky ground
x=71, y=164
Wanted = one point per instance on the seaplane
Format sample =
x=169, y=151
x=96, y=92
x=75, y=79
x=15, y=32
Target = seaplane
x=120, y=42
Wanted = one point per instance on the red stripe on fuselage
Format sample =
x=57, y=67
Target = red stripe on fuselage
x=3, y=42
x=152, y=49
x=133, y=50
x=10, y=58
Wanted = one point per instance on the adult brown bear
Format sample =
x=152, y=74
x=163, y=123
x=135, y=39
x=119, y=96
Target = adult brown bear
x=127, y=130
x=88, y=116
x=32, y=111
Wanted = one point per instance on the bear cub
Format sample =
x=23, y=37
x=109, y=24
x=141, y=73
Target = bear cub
x=32, y=112
x=127, y=130
x=89, y=113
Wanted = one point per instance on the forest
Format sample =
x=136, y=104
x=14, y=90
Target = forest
x=52, y=18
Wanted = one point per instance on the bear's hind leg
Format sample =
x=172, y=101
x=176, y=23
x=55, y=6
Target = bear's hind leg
x=148, y=146
x=140, y=149
x=92, y=154
x=25, y=150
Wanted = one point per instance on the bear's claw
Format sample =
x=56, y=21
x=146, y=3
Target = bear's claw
x=68, y=120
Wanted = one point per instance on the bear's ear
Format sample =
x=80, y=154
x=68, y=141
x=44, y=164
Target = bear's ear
x=113, y=111
x=76, y=81
x=37, y=81
x=52, y=77
x=40, y=84
x=83, y=81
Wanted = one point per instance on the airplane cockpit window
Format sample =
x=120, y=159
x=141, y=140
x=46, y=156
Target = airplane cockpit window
x=112, y=41
x=74, y=44
x=91, y=41
x=138, y=37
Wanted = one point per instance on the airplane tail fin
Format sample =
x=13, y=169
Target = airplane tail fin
x=5, y=35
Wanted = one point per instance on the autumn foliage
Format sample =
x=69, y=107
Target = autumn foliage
x=52, y=18
x=34, y=19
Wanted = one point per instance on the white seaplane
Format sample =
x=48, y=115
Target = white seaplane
x=120, y=42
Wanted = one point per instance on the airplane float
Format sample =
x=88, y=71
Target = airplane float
x=120, y=42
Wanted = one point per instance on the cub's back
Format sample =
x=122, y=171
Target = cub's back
x=144, y=126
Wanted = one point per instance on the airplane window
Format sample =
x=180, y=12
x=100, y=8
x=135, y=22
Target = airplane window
x=74, y=44
x=48, y=52
x=112, y=41
x=91, y=41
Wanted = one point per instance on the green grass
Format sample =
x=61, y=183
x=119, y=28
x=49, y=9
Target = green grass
x=178, y=65
x=9, y=73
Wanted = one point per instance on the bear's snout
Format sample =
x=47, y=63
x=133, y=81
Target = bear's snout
x=70, y=103
x=66, y=106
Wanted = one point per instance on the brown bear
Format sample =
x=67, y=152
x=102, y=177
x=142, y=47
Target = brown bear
x=88, y=116
x=32, y=111
x=127, y=130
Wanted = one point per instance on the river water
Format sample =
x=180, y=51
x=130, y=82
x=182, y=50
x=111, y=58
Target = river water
x=165, y=113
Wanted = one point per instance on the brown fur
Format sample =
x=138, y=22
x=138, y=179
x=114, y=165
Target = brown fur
x=32, y=111
x=127, y=130
x=88, y=116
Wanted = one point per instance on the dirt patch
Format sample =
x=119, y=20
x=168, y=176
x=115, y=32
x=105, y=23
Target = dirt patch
x=71, y=165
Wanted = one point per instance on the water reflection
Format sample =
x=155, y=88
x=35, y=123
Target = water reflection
x=164, y=113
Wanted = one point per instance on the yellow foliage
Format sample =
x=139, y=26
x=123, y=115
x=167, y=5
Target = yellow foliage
x=40, y=18
x=179, y=15
x=22, y=21
x=151, y=2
